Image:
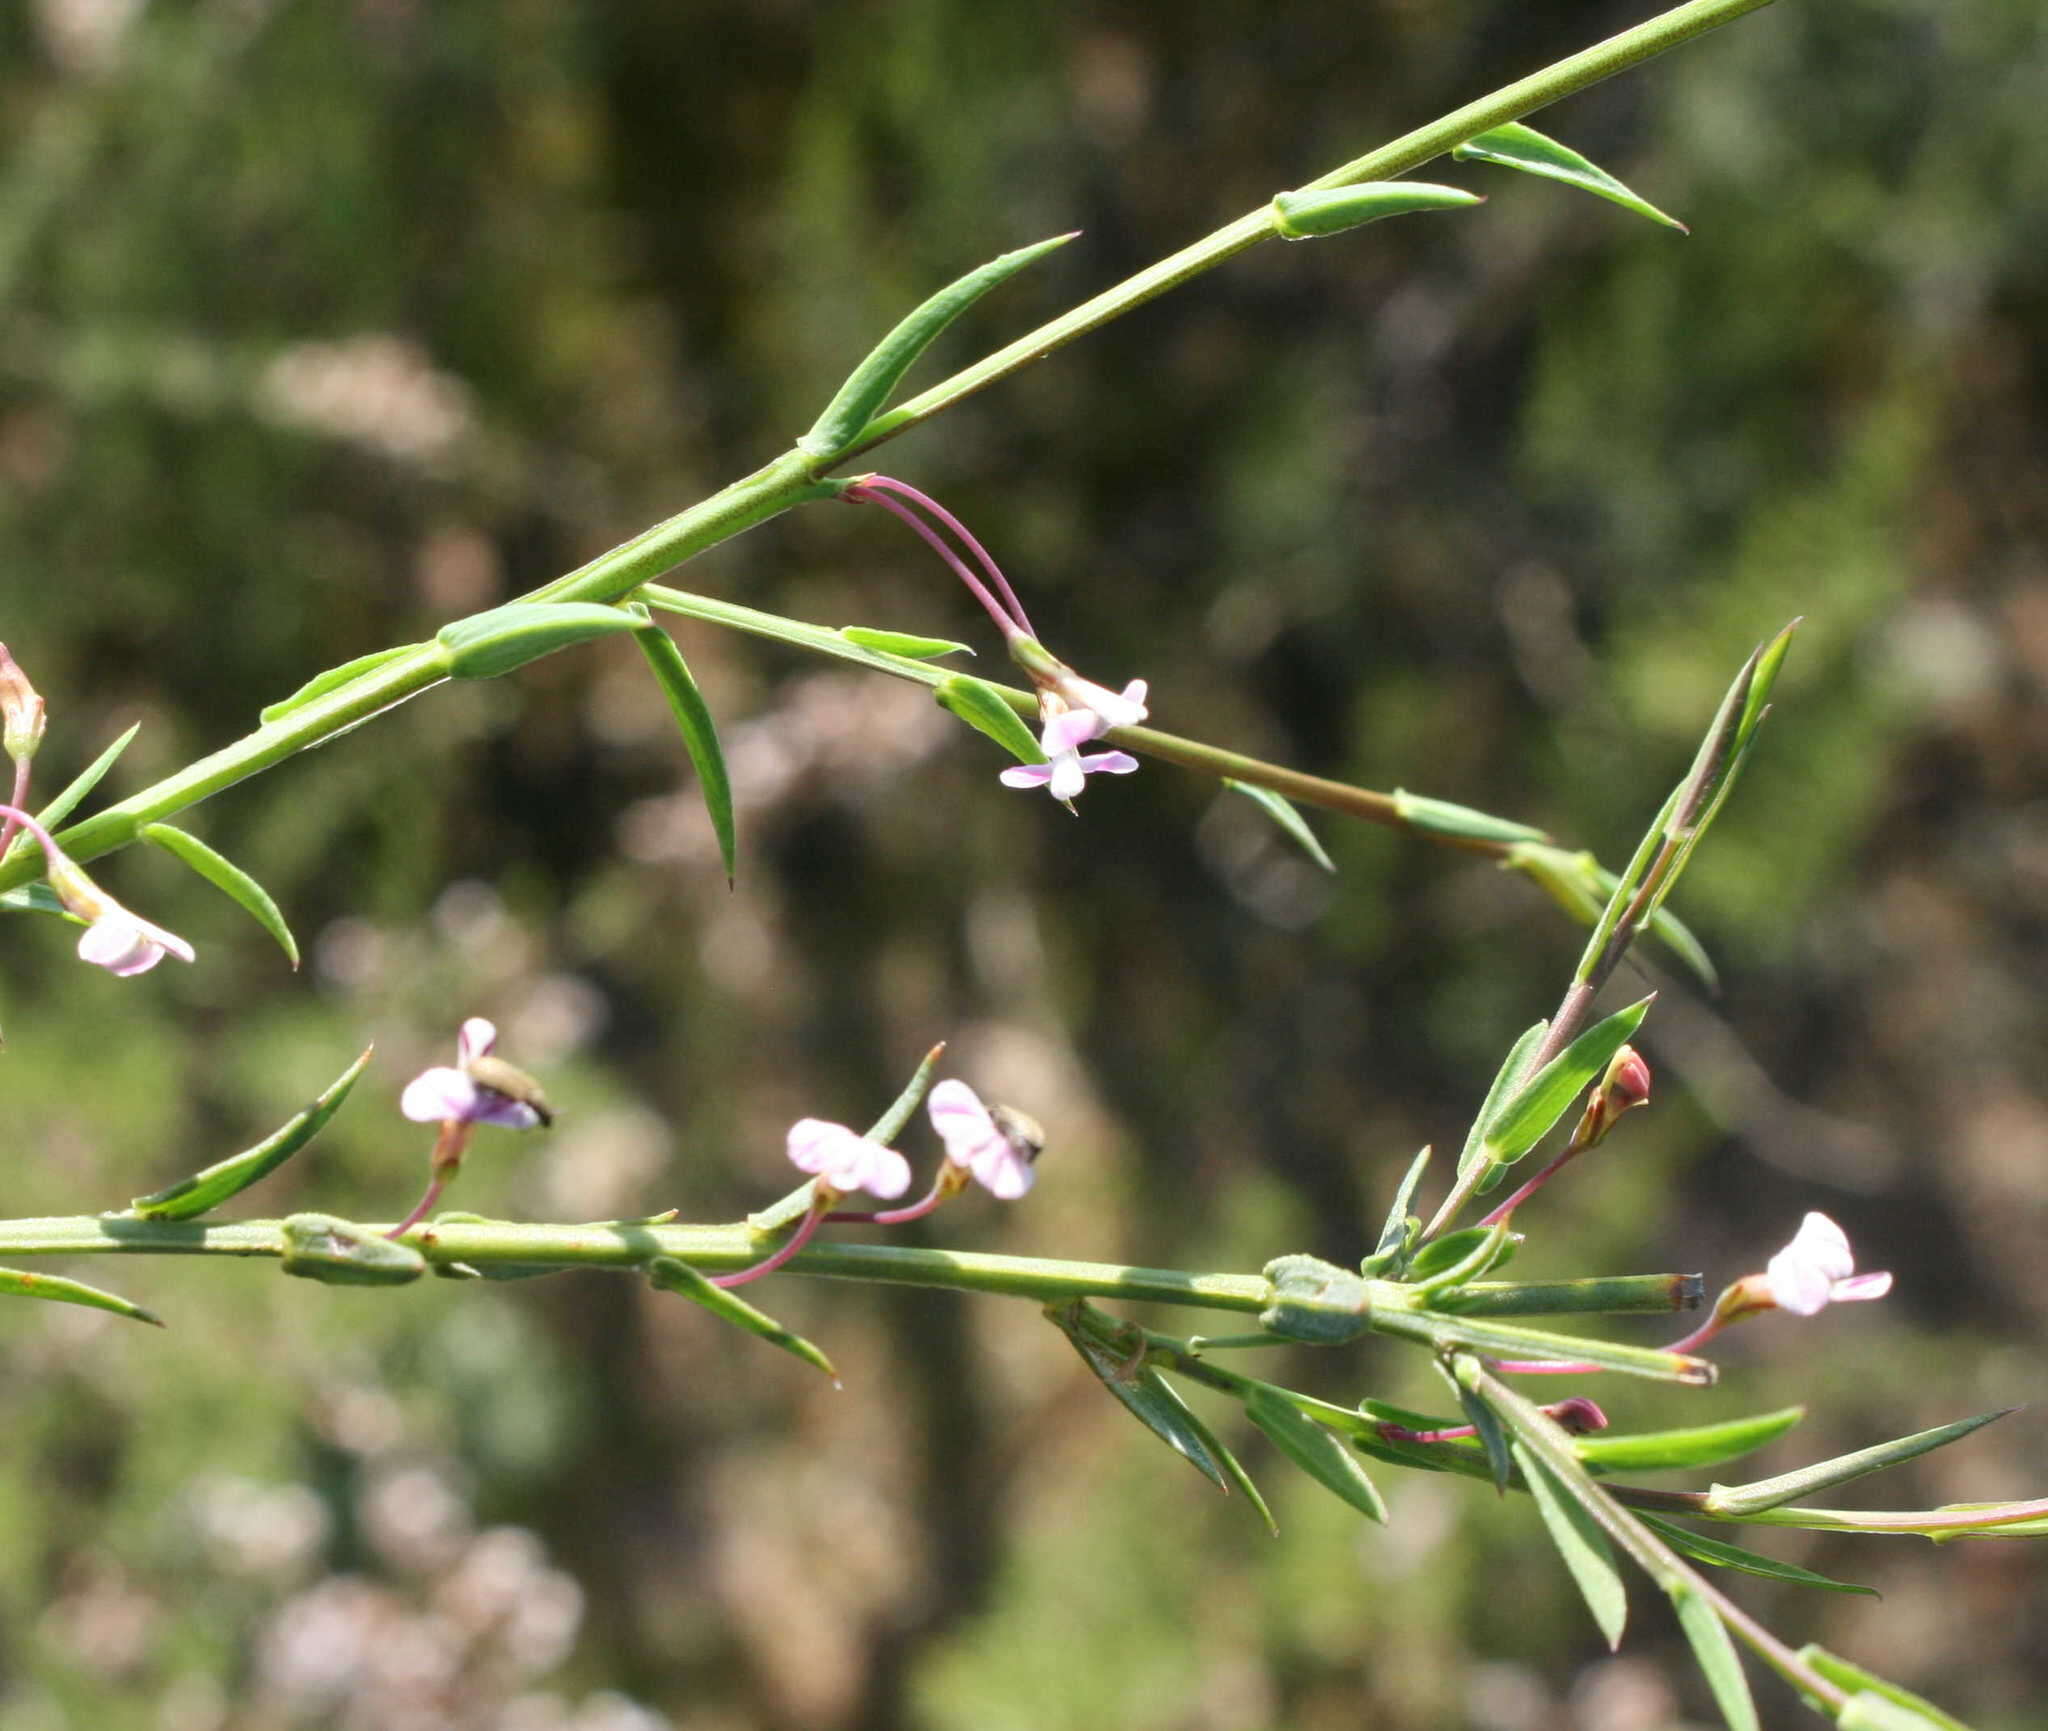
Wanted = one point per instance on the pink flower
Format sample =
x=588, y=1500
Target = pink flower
x=845, y=1161
x=977, y=1143
x=483, y=1090
x=1818, y=1269
x=1109, y=708
x=115, y=939
x=1066, y=771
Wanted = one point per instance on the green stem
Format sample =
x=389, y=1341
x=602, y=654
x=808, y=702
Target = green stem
x=1412, y=150
x=1549, y=1443
x=794, y=477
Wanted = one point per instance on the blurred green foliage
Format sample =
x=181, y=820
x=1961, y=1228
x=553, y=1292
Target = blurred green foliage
x=327, y=323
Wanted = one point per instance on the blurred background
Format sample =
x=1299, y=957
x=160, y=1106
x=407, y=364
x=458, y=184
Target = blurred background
x=325, y=323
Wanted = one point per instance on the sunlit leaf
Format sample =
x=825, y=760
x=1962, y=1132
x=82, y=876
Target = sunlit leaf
x=1507, y=1083
x=1316, y=1449
x=1716, y=1654
x=669, y=1275
x=227, y=877
x=700, y=734
x=15, y=1284
x=1389, y=1252
x=500, y=639
x=1825, y=1475
x=902, y=643
x=1316, y=211
x=205, y=1190
x=1580, y=1542
x=984, y=708
x=1281, y=810
x=1517, y=146
x=1697, y=1446
x=1543, y=1099
x=333, y=680
x=1439, y=817
x=870, y=385
x=1726, y=1556
x=1921, y=1715
x=79, y=786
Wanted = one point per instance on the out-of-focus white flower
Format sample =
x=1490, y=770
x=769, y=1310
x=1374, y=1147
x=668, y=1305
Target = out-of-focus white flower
x=482, y=1090
x=1818, y=1269
x=1064, y=773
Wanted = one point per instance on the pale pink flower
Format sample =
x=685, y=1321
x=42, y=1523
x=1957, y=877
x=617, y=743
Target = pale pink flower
x=846, y=1161
x=977, y=1143
x=1818, y=1269
x=482, y=1090
x=1065, y=771
x=1108, y=708
x=121, y=942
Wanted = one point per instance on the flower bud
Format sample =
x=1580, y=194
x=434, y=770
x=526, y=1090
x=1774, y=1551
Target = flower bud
x=21, y=711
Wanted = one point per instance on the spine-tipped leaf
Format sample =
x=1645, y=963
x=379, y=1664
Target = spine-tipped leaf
x=870, y=385
x=54, y=1287
x=1517, y=146
x=666, y=1274
x=1316, y=1450
x=206, y=1190
x=1726, y=1556
x=1281, y=810
x=1789, y=1487
x=1580, y=1542
x=700, y=734
x=227, y=877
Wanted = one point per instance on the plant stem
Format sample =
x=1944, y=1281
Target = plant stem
x=1410, y=151
x=795, y=477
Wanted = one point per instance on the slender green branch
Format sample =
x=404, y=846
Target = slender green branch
x=795, y=477
x=1411, y=151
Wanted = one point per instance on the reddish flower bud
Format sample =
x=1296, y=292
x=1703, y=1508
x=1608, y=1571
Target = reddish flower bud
x=21, y=710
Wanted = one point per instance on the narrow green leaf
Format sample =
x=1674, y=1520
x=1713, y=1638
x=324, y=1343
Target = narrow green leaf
x=1281, y=810
x=1867, y=1712
x=227, y=877
x=1507, y=1081
x=1306, y=214
x=1580, y=1542
x=1697, y=1446
x=1316, y=1449
x=1581, y=885
x=333, y=680
x=206, y=1190
x=1726, y=1556
x=37, y=898
x=494, y=642
x=1500, y=1460
x=81, y=784
x=666, y=1274
x=1234, y=1470
x=700, y=734
x=902, y=643
x=983, y=708
x=1825, y=1475
x=1396, y=1235
x=1845, y=1674
x=1469, y=1245
x=1147, y=1395
x=14, y=1284
x=1716, y=1655
x=1543, y=1099
x=1460, y=822
x=870, y=385
x=1517, y=146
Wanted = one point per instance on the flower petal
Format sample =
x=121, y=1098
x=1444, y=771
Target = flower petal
x=1109, y=763
x=1068, y=729
x=816, y=1146
x=475, y=1040
x=436, y=1095
x=962, y=1121
x=119, y=945
x=493, y=1107
x=1069, y=776
x=1027, y=775
x=1825, y=1245
x=1860, y=1287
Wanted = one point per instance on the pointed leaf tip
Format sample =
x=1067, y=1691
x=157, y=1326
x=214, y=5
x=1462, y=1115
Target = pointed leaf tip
x=870, y=385
x=56, y=1289
x=1281, y=810
x=700, y=736
x=227, y=877
x=1523, y=147
x=667, y=1274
